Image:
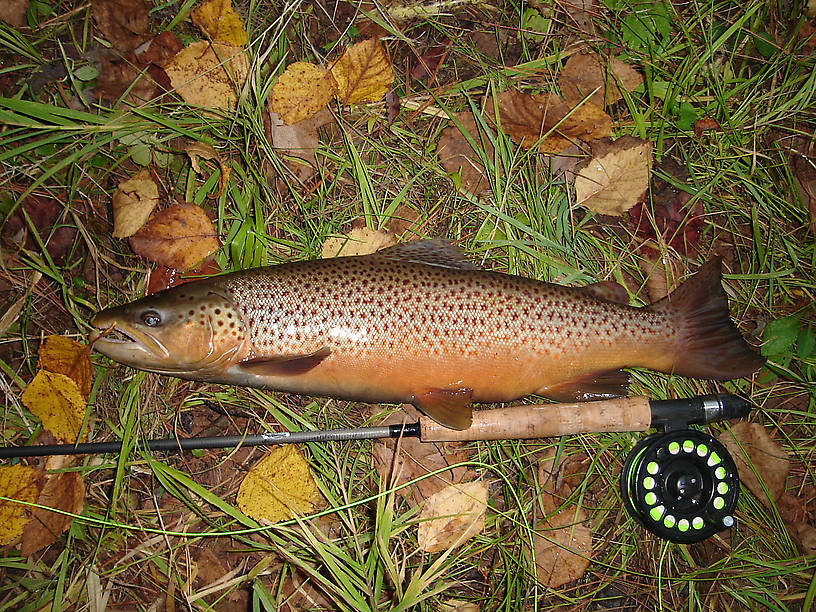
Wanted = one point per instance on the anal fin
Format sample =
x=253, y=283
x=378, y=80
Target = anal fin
x=285, y=365
x=589, y=387
x=448, y=407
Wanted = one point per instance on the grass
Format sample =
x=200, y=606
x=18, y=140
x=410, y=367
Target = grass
x=148, y=521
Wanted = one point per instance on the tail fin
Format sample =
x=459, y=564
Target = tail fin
x=709, y=346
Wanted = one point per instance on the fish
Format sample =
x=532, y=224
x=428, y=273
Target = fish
x=418, y=323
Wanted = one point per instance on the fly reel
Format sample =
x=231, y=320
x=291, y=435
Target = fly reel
x=681, y=485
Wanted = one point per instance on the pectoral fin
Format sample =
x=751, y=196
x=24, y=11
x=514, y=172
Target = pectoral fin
x=594, y=386
x=448, y=407
x=285, y=365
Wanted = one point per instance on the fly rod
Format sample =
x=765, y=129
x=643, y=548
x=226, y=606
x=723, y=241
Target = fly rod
x=511, y=423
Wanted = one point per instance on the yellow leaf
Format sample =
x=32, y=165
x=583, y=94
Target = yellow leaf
x=301, y=91
x=452, y=516
x=363, y=73
x=617, y=177
x=359, y=241
x=133, y=202
x=218, y=19
x=62, y=355
x=55, y=399
x=209, y=74
x=279, y=487
x=18, y=482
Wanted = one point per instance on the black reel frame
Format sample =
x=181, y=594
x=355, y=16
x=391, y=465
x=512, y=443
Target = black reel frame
x=682, y=484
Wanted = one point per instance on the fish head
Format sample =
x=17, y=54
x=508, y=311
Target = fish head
x=190, y=331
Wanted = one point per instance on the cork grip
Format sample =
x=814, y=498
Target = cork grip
x=545, y=420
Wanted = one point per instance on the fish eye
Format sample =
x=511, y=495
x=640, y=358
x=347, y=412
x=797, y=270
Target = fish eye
x=151, y=318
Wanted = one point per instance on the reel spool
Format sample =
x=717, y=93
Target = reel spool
x=682, y=485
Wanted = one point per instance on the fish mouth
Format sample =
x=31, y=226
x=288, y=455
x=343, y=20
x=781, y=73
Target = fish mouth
x=126, y=344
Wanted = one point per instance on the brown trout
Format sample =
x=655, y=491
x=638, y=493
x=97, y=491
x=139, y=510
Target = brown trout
x=417, y=324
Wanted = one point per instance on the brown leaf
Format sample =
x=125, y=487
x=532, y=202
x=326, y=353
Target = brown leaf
x=416, y=459
x=180, y=236
x=14, y=12
x=124, y=23
x=456, y=154
x=584, y=73
x=563, y=547
x=195, y=150
x=133, y=202
x=299, y=140
x=452, y=516
x=759, y=452
x=162, y=277
x=527, y=117
x=359, y=241
x=63, y=355
x=45, y=214
x=662, y=274
x=220, y=21
x=363, y=73
x=133, y=82
x=63, y=491
x=804, y=172
x=209, y=74
x=301, y=91
x=159, y=50
x=617, y=177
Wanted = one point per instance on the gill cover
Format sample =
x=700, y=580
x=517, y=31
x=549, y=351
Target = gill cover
x=188, y=331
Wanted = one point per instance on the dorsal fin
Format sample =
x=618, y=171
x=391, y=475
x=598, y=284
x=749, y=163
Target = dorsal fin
x=436, y=252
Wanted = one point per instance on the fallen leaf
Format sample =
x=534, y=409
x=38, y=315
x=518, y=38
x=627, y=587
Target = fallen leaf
x=181, y=236
x=56, y=400
x=219, y=20
x=579, y=19
x=130, y=82
x=299, y=594
x=14, y=12
x=62, y=355
x=617, y=177
x=362, y=73
x=416, y=459
x=452, y=516
x=457, y=605
x=405, y=222
x=63, y=491
x=133, y=201
x=761, y=463
x=457, y=156
x=428, y=63
x=162, y=277
x=563, y=547
x=527, y=117
x=668, y=220
x=584, y=74
x=44, y=213
x=194, y=150
x=159, y=50
x=17, y=482
x=804, y=174
x=209, y=74
x=299, y=140
x=359, y=241
x=301, y=91
x=662, y=275
x=124, y=23
x=279, y=487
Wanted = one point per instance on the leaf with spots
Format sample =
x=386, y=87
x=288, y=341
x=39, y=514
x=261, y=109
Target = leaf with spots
x=279, y=487
x=452, y=516
x=56, y=400
x=62, y=355
x=359, y=241
x=20, y=483
x=362, y=73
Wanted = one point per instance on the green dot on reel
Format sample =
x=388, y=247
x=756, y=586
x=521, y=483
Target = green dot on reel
x=697, y=522
x=719, y=503
x=683, y=525
x=650, y=498
x=657, y=512
x=714, y=459
x=674, y=448
x=688, y=445
x=702, y=450
x=720, y=472
x=649, y=483
x=669, y=521
x=652, y=467
x=722, y=488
